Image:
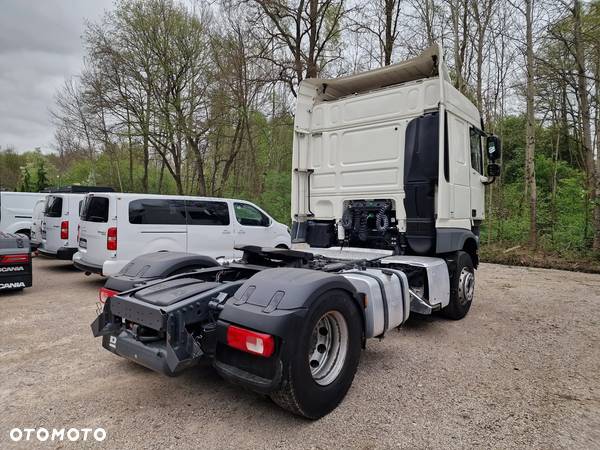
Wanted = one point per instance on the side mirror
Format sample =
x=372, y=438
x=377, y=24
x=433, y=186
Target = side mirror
x=494, y=148
x=493, y=170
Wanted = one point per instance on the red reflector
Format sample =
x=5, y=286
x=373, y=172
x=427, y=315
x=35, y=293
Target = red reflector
x=64, y=229
x=111, y=239
x=250, y=341
x=20, y=258
x=104, y=294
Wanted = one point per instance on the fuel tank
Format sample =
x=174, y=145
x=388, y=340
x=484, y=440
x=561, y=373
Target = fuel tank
x=387, y=297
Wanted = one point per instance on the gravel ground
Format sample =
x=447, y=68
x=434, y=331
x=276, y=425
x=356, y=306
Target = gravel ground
x=521, y=370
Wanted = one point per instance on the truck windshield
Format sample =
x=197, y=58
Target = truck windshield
x=95, y=209
x=54, y=207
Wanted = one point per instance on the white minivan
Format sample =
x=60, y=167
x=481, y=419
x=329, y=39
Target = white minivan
x=16, y=211
x=117, y=227
x=60, y=225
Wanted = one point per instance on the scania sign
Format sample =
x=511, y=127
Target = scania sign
x=13, y=285
x=12, y=269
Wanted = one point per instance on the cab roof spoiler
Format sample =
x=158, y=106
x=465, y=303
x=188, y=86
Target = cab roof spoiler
x=428, y=64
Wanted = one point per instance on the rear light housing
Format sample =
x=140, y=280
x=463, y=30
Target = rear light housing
x=64, y=229
x=105, y=293
x=20, y=258
x=111, y=239
x=252, y=342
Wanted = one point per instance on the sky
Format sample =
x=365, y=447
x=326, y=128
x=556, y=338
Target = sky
x=40, y=47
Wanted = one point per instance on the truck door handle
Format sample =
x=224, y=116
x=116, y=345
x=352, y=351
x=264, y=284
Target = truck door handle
x=241, y=232
x=226, y=232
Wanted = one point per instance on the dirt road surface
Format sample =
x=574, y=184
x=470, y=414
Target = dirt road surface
x=521, y=370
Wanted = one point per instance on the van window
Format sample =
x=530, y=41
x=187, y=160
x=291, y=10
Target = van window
x=95, y=209
x=207, y=213
x=250, y=216
x=476, y=160
x=54, y=207
x=157, y=211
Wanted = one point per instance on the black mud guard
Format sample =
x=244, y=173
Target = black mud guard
x=276, y=301
x=155, y=265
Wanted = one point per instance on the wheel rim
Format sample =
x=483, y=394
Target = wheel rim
x=466, y=286
x=329, y=346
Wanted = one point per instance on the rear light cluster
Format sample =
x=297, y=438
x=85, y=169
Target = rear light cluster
x=64, y=229
x=104, y=294
x=21, y=258
x=111, y=239
x=250, y=341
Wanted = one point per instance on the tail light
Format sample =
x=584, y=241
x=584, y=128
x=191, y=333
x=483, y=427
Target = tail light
x=21, y=258
x=250, y=341
x=104, y=294
x=64, y=229
x=111, y=239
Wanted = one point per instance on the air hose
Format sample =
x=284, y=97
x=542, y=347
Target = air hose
x=382, y=221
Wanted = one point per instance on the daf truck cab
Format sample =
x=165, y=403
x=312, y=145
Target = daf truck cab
x=389, y=172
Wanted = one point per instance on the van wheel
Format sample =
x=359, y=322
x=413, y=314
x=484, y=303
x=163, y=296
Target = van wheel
x=462, y=287
x=318, y=375
x=25, y=232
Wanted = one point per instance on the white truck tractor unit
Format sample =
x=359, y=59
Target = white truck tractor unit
x=387, y=200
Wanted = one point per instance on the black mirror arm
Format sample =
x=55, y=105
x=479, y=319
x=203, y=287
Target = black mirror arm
x=488, y=182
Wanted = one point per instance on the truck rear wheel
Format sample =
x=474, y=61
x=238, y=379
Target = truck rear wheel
x=462, y=287
x=318, y=375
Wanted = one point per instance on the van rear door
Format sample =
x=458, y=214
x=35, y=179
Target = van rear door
x=97, y=217
x=52, y=220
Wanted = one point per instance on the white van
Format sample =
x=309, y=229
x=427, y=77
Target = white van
x=60, y=225
x=116, y=228
x=16, y=211
x=35, y=239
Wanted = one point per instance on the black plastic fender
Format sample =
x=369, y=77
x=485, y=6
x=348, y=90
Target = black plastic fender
x=277, y=301
x=152, y=266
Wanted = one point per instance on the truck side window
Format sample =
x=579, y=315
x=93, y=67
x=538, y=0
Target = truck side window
x=207, y=213
x=476, y=160
x=248, y=215
x=157, y=212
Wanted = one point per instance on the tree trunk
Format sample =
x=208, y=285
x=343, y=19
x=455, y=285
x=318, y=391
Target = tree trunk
x=530, y=131
x=584, y=108
x=388, y=47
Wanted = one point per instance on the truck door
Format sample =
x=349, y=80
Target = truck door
x=476, y=171
x=460, y=203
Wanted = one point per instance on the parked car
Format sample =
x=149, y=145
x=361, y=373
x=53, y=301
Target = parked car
x=116, y=227
x=60, y=225
x=16, y=211
x=35, y=239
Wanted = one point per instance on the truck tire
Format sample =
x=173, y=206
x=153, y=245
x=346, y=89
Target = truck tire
x=318, y=375
x=462, y=287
